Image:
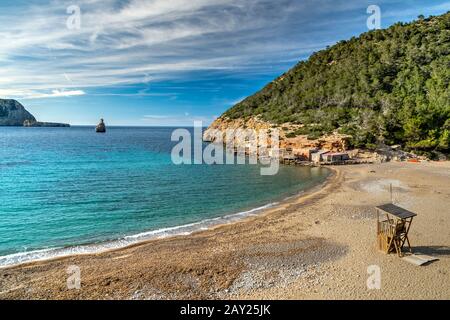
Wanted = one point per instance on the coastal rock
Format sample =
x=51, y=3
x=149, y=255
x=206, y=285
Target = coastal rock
x=28, y=123
x=100, y=128
x=12, y=113
x=299, y=145
x=223, y=124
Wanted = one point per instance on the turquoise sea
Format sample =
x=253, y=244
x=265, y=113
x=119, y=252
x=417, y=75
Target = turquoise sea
x=70, y=190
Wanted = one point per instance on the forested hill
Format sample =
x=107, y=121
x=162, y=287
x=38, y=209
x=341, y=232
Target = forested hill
x=389, y=86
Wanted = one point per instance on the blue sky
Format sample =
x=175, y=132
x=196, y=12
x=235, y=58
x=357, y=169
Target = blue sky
x=167, y=62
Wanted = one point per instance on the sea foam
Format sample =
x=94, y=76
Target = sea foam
x=186, y=229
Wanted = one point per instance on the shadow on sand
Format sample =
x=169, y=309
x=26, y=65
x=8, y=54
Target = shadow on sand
x=437, y=251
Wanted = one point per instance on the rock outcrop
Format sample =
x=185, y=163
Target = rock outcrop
x=100, y=128
x=27, y=123
x=223, y=124
x=299, y=146
x=12, y=113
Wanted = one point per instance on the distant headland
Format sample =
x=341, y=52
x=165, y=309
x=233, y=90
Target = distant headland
x=13, y=113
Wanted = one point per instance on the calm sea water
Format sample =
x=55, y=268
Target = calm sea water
x=69, y=190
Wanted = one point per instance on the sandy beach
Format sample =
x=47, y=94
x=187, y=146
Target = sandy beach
x=315, y=246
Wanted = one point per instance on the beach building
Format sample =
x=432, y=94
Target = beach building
x=287, y=155
x=336, y=157
x=318, y=156
x=309, y=152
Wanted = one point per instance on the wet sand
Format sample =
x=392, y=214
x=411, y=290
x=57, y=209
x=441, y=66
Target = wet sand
x=315, y=246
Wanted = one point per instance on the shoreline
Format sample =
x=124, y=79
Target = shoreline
x=318, y=245
x=145, y=237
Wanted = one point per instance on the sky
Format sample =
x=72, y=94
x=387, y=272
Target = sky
x=167, y=62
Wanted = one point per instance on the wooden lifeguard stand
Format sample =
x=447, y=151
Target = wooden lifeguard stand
x=392, y=230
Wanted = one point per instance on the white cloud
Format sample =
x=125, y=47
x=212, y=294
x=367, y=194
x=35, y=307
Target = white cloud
x=139, y=42
x=142, y=41
x=173, y=120
x=155, y=116
x=31, y=94
x=56, y=94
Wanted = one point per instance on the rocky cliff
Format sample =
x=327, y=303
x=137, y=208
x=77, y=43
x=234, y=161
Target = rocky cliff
x=12, y=113
x=298, y=145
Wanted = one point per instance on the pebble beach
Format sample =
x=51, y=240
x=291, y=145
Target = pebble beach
x=318, y=245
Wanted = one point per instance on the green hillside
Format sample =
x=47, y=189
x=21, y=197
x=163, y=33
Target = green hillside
x=389, y=86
